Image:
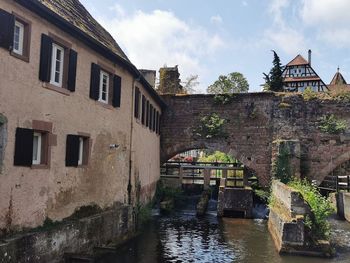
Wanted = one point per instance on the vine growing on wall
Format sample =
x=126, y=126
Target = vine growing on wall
x=211, y=126
x=281, y=167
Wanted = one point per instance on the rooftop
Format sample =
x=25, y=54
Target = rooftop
x=298, y=61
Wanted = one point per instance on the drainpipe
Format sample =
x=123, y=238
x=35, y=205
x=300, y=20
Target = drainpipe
x=131, y=136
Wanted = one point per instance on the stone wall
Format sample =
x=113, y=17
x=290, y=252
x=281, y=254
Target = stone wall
x=254, y=122
x=80, y=236
x=343, y=205
x=288, y=211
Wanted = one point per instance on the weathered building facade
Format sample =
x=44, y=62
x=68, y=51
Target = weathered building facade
x=79, y=124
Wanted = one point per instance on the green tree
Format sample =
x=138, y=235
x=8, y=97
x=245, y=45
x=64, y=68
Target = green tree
x=234, y=82
x=274, y=80
x=217, y=156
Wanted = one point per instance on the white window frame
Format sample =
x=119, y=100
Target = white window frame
x=100, y=98
x=81, y=150
x=38, y=159
x=19, y=51
x=55, y=48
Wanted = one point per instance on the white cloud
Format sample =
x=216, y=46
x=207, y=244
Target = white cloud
x=281, y=35
x=118, y=9
x=157, y=38
x=244, y=3
x=330, y=20
x=216, y=19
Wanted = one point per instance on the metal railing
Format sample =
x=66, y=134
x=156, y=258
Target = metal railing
x=207, y=173
x=336, y=183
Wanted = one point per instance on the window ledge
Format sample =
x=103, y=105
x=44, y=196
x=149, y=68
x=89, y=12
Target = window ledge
x=57, y=89
x=40, y=166
x=21, y=57
x=105, y=105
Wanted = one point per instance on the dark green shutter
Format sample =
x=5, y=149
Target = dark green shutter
x=45, y=58
x=72, y=69
x=117, y=87
x=72, y=150
x=137, y=103
x=154, y=120
x=143, y=109
x=150, y=125
x=147, y=113
x=7, y=27
x=24, y=147
x=95, y=81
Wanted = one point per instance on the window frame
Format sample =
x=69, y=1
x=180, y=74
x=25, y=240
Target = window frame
x=57, y=47
x=27, y=26
x=39, y=148
x=81, y=151
x=104, y=73
x=20, y=49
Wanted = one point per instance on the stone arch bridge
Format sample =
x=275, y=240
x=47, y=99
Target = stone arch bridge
x=256, y=123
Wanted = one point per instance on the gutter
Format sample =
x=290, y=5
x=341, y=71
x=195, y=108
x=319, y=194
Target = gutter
x=64, y=25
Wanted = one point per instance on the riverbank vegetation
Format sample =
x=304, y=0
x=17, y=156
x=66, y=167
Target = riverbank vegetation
x=321, y=208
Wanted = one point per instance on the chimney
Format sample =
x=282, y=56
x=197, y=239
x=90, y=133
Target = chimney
x=310, y=52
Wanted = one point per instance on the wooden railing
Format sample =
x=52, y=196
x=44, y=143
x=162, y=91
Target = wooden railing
x=336, y=183
x=206, y=173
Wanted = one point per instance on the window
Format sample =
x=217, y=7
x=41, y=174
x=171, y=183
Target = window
x=143, y=115
x=147, y=113
x=31, y=147
x=77, y=150
x=3, y=136
x=137, y=103
x=104, y=87
x=58, y=64
x=57, y=61
x=18, y=38
x=37, y=148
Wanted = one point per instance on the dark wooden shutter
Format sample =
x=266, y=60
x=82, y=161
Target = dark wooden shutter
x=143, y=109
x=137, y=103
x=150, y=125
x=7, y=27
x=72, y=70
x=72, y=150
x=154, y=120
x=24, y=147
x=159, y=119
x=147, y=113
x=45, y=58
x=117, y=87
x=157, y=122
x=95, y=81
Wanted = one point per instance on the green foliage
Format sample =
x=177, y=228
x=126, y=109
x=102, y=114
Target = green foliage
x=320, y=206
x=224, y=99
x=264, y=195
x=309, y=94
x=274, y=80
x=281, y=167
x=211, y=127
x=164, y=193
x=234, y=82
x=217, y=156
x=332, y=125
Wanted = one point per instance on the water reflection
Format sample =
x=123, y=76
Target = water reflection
x=184, y=238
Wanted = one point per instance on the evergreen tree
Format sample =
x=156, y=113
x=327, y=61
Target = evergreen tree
x=274, y=80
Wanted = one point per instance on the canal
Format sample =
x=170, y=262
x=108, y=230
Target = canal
x=185, y=238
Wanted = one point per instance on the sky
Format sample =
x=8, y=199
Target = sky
x=213, y=38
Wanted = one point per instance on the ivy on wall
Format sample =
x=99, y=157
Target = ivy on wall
x=332, y=125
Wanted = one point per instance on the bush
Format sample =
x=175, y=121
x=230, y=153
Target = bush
x=211, y=127
x=309, y=94
x=320, y=206
x=225, y=98
x=333, y=125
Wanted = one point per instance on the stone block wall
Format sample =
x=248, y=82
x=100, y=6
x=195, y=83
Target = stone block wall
x=254, y=121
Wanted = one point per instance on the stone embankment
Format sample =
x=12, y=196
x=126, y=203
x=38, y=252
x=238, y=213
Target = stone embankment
x=288, y=212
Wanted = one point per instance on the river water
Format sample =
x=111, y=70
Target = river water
x=185, y=238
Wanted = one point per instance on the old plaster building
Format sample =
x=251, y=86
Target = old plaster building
x=79, y=124
x=299, y=75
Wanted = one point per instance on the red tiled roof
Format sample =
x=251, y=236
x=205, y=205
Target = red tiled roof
x=297, y=61
x=338, y=79
x=76, y=14
x=335, y=87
